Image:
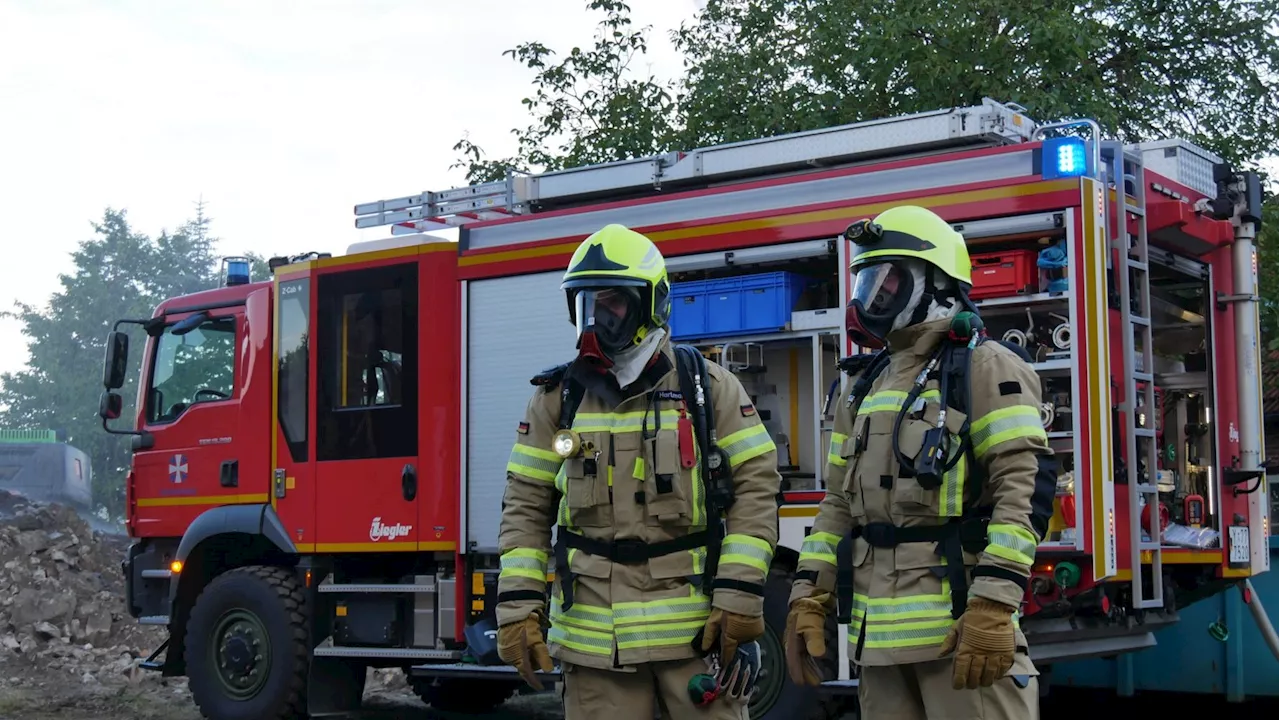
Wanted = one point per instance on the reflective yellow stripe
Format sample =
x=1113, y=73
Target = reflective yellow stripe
x=833, y=454
x=1011, y=543
x=891, y=400
x=951, y=495
x=654, y=623
x=1005, y=424
x=584, y=641
x=820, y=546
x=909, y=621
x=523, y=563
x=658, y=635
x=912, y=634
x=534, y=463
x=632, y=421
x=562, y=486
x=694, y=607
x=746, y=444
x=746, y=550
x=698, y=508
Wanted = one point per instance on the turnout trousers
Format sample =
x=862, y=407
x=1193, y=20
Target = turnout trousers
x=922, y=691
x=656, y=689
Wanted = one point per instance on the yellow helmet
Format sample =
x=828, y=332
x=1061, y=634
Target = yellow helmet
x=911, y=231
x=895, y=260
x=617, y=290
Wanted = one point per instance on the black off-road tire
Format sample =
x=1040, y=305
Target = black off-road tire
x=256, y=602
x=462, y=695
x=786, y=700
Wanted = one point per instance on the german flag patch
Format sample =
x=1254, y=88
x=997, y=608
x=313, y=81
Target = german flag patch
x=523, y=428
x=747, y=410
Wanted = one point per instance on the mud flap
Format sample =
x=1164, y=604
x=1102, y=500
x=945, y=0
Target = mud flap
x=334, y=686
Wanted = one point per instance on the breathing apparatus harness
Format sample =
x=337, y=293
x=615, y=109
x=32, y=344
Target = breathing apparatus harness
x=716, y=473
x=965, y=533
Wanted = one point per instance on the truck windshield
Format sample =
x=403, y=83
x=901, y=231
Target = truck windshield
x=192, y=368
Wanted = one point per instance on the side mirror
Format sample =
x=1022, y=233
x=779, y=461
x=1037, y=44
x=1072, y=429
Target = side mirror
x=116, y=362
x=191, y=322
x=110, y=405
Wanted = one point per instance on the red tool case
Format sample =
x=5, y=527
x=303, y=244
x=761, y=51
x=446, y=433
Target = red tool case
x=1000, y=274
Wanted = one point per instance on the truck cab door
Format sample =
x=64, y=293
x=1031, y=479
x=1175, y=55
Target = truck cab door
x=366, y=410
x=195, y=376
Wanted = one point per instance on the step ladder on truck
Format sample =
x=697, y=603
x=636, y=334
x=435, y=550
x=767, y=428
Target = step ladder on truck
x=354, y=477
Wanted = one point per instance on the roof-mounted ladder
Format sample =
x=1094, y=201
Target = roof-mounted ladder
x=988, y=124
x=1133, y=278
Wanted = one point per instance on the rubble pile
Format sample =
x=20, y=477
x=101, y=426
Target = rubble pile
x=62, y=597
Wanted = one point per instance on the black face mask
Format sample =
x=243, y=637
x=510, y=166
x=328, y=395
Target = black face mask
x=880, y=293
x=608, y=319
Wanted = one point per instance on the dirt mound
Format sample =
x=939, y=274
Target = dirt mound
x=64, y=605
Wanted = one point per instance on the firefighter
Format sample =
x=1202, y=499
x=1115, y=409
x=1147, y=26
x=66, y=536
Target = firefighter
x=927, y=533
x=653, y=580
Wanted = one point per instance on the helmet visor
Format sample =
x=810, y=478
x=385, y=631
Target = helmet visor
x=881, y=291
x=611, y=314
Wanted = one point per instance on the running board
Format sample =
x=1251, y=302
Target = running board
x=151, y=663
x=1089, y=648
x=840, y=687
x=470, y=670
x=379, y=653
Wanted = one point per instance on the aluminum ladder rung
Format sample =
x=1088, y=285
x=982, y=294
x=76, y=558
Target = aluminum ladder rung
x=1124, y=167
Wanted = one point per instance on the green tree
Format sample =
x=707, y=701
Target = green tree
x=1202, y=69
x=119, y=273
x=586, y=108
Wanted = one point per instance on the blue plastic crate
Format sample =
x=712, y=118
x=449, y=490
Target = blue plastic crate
x=734, y=306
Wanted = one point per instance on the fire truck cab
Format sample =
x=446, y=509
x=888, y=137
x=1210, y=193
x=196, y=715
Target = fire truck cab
x=319, y=457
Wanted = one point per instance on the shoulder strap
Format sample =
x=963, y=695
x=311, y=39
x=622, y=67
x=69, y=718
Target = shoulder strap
x=571, y=391
x=872, y=368
x=690, y=365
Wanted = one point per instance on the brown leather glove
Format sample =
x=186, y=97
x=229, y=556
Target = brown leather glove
x=806, y=638
x=984, y=643
x=520, y=644
x=730, y=629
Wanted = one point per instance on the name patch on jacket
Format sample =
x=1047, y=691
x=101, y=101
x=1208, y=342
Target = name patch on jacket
x=523, y=428
x=670, y=395
x=748, y=410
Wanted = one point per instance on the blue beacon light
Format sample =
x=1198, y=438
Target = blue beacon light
x=236, y=271
x=1063, y=157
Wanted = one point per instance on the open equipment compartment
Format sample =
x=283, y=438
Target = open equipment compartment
x=773, y=317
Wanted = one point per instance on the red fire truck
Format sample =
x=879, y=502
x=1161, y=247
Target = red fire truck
x=319, y=457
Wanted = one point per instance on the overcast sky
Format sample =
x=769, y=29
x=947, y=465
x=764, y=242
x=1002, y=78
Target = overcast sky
x=281, y=115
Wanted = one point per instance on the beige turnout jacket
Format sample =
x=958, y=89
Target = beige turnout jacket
x=902, y=602
x=630, y=484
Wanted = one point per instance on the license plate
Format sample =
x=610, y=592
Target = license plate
x=1239, y=550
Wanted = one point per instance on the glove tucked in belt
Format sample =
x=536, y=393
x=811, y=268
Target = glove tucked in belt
x=730, y=629
x=520, y=645
x=984, y=642
x=806, y=638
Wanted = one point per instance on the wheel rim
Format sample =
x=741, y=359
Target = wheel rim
x=240, y=654
x=772, y=675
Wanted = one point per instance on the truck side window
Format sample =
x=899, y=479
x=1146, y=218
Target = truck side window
x=367, y=363
x=197, y=367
